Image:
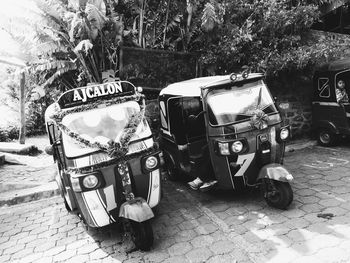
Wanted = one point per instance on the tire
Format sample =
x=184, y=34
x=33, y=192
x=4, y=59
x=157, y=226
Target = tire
x=63, y=192
x=142, y=234
x=281, y=196
x=66, y=205
x=172, y=170
x=325, y=137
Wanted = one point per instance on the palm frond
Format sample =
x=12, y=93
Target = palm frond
x=59, y=72
x=57, y=64
x=209, y=17
x=54, y=11
x=50, y=47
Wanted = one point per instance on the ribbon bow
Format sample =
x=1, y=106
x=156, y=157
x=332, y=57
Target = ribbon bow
x=259, y=119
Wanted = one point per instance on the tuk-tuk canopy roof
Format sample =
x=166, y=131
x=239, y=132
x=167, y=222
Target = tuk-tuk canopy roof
x=336, y=65
x=192, y=87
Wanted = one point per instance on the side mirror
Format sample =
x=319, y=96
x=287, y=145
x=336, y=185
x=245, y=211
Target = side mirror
x=49, y=150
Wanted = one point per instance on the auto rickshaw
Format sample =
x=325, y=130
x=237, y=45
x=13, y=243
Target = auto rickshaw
x=235, y=117
x=108, y=163
x=330, y=118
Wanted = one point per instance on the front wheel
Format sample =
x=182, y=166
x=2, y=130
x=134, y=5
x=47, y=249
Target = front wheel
x=278, y=194
x=67, y=201
x=142, y=234
x=325, y=137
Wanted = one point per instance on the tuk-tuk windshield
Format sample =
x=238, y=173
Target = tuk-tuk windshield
x=101, y=125
x=231, y=104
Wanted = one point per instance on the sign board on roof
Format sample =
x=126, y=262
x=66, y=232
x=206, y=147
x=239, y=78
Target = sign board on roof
x=96, y=92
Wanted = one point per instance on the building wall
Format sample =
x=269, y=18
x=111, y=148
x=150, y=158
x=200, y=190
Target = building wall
x=293, y=96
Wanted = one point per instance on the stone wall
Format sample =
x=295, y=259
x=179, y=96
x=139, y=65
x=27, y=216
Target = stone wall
x=294, y=95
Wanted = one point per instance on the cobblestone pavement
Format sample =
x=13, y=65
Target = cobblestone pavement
x=203, y=227
x=33, y=170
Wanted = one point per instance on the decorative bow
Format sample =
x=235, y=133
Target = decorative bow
x=259, y=119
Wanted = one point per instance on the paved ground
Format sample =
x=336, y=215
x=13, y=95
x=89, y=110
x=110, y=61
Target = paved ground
x=33, y=179
x=203, y=227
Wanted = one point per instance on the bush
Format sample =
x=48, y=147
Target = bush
x=9, y=133
x=35, y=120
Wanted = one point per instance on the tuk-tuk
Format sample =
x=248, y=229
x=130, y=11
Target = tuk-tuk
x=235, y=117
x=108, y=163
x=330, y=116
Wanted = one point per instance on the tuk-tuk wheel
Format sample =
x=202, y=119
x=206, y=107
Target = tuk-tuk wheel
x=142, y=234
x=63, y=193
x=66, y=205
x=325, y=138
x=278, y=194
x=173, y=172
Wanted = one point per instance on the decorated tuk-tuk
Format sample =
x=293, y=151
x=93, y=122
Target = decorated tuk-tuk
x=108, y=162
x=330, y=103
x=235, y=118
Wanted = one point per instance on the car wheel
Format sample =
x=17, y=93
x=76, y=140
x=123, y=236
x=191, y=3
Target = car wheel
x=326, y=138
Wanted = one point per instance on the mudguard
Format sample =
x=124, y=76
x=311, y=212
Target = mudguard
x=276, y=172
x=330, y=126
x=136, y=209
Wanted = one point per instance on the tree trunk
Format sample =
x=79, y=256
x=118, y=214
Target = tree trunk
x=22, y=118
x=141, y=23
x=166, y=22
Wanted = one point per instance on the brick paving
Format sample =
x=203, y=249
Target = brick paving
x=203, y=227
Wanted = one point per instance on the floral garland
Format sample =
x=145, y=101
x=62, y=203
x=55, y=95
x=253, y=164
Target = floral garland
x=115, y=150
x=259, y=120
x=126, y=158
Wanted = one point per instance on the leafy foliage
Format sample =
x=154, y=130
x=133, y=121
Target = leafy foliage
x=270, y=36
x=76, y=41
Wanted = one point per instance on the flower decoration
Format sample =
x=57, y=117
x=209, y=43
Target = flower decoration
x=259, y=120
x=117, y=151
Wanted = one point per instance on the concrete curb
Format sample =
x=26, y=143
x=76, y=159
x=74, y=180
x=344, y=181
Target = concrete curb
x=299, y=145
x=28, y=194
x=16, y=148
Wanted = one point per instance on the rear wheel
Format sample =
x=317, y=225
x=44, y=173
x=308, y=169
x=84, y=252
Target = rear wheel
x=65, y=195
x=278, y=194
x=325, y=137
x=142, y=234
x=173, y=172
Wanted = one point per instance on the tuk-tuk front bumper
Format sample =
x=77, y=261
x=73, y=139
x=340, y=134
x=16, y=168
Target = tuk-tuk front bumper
x=104, y=205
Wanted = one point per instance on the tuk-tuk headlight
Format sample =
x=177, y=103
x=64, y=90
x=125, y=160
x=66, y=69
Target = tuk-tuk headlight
x=237, y=146
x=224, y=148
x=284, y=134
x=151, y=162
x=90, y=181
x=87, y=182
